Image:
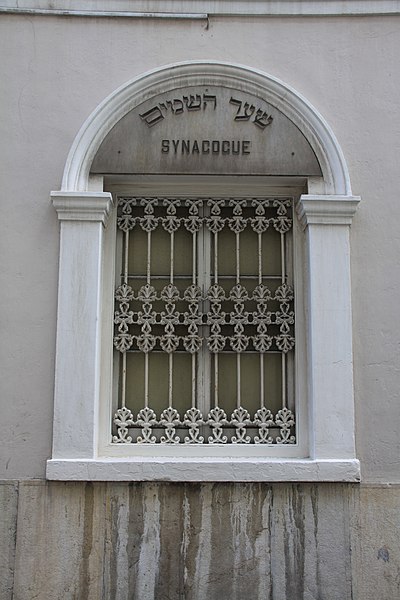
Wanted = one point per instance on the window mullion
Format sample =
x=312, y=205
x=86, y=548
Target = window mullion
x=204, y=282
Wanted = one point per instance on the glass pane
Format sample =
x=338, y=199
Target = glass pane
x=137, y=251
x=248, y=241
x=226, y=253
x=135, y=381
x=158, y=381
x=227, y=381
x=160, y=253
x=273, y=381
x=182, y=382
x=250, y=381
x=271, y=252
x=183, y=252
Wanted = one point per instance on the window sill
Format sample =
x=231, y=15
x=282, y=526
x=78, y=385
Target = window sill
x=203, y=469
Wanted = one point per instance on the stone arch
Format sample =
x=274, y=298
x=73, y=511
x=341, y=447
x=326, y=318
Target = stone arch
x=308, y=120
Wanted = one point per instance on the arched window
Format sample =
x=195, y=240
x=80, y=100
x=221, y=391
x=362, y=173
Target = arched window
x=184, y=286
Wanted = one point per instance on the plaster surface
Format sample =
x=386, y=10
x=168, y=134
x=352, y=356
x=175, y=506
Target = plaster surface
x=55, y=71
x=376, y=530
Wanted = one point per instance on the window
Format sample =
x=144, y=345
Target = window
x=204, y=321
x=317, y=374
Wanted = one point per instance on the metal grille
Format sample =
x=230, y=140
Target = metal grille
x=204, y=321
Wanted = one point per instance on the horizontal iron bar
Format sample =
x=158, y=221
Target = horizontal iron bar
x=189, y=277
x=134, y=351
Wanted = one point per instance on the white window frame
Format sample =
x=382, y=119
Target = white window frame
x=83, y=381
x=220, y=186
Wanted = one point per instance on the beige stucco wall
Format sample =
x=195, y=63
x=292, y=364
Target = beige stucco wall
x=54, y=73
x=82, y=541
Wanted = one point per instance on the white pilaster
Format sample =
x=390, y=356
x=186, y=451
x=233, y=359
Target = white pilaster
x=82, y=218
x=327, y=221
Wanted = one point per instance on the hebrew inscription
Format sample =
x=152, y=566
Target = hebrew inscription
x=192, y=102
x=207, y=128
x=245, y=111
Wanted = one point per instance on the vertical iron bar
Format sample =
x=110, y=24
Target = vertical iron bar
x=215, y=379
x=283, y=380
x=123, y=386
x=216, y=258
x=194, y=269
x=146, y=358
x=216, y=366
x=146, y=380
x=283, y=263
x=148, y=256
x=126, y=256
x=170, y=355
x=171, y=275
x=170, y=367
x=238, y=373
x=193, y=380
x=238, y=365
x=194, y=257
x=262, y=402
x=204, y=260
x=283, y=258
x=260, y=272
x=237, y=259
x=126, y=270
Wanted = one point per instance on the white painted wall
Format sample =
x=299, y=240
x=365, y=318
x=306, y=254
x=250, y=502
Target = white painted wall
x=55, y=71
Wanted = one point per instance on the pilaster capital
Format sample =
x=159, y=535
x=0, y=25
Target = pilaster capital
x=326, y=209
x=82, y=206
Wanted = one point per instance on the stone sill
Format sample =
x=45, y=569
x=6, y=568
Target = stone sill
x=202, y=469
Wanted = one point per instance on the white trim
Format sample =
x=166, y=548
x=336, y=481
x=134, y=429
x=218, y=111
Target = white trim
x=327, y=210
x=75, y=207
x=144, y=469
x=291, y=103
x=198, y=8
x=83, y=360
x=78, y=349
x=329, y=339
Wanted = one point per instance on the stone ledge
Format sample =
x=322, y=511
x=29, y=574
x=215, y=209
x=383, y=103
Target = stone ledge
x=201, y=469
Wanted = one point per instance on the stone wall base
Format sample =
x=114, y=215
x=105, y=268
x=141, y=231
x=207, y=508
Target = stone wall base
x=125, y=541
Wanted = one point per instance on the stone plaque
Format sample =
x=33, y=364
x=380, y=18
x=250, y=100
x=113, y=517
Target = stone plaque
x=206, y=130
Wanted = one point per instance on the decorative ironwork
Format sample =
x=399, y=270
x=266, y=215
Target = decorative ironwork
x=240, y=428
x=219, y=321
x=210, y=314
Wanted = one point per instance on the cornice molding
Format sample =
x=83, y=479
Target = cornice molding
x=202, y=9
x=326, y=210
x=89, y=206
